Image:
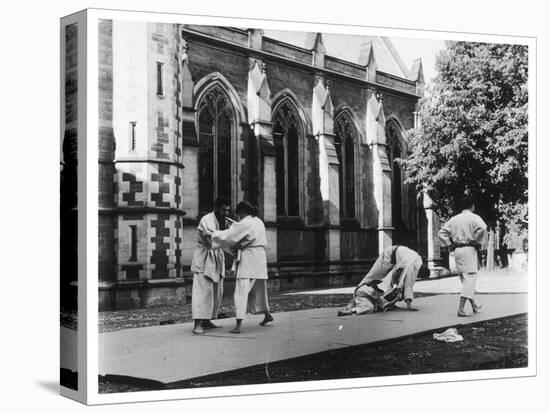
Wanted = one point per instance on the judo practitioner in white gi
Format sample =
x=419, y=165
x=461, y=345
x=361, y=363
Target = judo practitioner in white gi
x=208, y=267
x=247, y=239
x=402, y=266
x=465, y=232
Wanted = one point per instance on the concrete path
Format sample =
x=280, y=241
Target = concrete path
x=171, y=353
x=501, y=282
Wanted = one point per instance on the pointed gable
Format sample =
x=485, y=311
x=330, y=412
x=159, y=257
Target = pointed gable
x=314, y=42
x=416, y=74
x=365, y=52
x=187, y=82
x=255, y=38
x=259, y=94
x=322, y=108
x=376, y=121
x=347, y=47
x=367, y=59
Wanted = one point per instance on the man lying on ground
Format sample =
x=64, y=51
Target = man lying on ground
x=402, y=265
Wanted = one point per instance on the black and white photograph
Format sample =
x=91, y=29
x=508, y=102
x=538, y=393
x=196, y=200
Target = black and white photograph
x=288, y=206
x=282, y=207
x=68, y=208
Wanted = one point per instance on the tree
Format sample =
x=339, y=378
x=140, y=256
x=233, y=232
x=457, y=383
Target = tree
x=473, y=134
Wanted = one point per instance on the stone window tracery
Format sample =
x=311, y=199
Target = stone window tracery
x=216, y=122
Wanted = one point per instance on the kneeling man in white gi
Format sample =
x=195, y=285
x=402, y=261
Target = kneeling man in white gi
x=465, y=232
x=247, y=239
x=402, y=265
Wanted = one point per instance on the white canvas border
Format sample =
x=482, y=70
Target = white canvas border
x=81, y=21
x=93, y=397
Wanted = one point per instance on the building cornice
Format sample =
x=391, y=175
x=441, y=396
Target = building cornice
x=245, y=49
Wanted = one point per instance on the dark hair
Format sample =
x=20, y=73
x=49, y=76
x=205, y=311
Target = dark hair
x=423, y=272
x=246, y=208
x=222, y=201
x=466, y=202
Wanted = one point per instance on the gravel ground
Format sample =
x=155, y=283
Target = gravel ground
x=136, y=318
x=495, y=344
x=116, y=320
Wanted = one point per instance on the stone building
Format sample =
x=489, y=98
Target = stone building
x=307, y=126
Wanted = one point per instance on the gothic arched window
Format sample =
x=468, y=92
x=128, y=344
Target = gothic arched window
x=215, y=116
x=286, y=136
x=395, y=151
x=345, y=150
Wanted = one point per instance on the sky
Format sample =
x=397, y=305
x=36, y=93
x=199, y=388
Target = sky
x=347, y=47
x=427, y=49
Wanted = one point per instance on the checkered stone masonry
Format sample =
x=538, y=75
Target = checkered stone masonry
x=162, y=137
x=178, y=240
x=177, y=88
x=162, y=178
x=130, y=185
x=160, y=241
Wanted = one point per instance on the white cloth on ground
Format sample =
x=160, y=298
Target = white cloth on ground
x=450, y=335
x=206, y=297
x=250, y=296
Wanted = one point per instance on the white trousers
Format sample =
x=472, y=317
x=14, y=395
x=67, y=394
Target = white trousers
x=206, y=297
x=468, y=285
x=250, y=296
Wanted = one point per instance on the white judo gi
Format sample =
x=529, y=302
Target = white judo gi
x=464, y=230
x=366, y=299
x=208, y=267
x=247, y=240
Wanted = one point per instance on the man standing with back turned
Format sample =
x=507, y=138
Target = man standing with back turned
x=465, y=233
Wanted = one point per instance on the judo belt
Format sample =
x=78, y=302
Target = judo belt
x=393, y=259
x=377, y=303
x=472, y=244
x=239, y=256
x=475, y=245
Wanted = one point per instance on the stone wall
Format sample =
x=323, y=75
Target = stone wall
x=149, y=182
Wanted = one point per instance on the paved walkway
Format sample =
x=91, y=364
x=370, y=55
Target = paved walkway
x=498, y=282
x=171, y=353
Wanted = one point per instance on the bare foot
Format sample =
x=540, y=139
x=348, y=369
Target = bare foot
x=235, y=331
x=209, y=325
x=268, y=318
x=198, y=330
x=477, y=308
